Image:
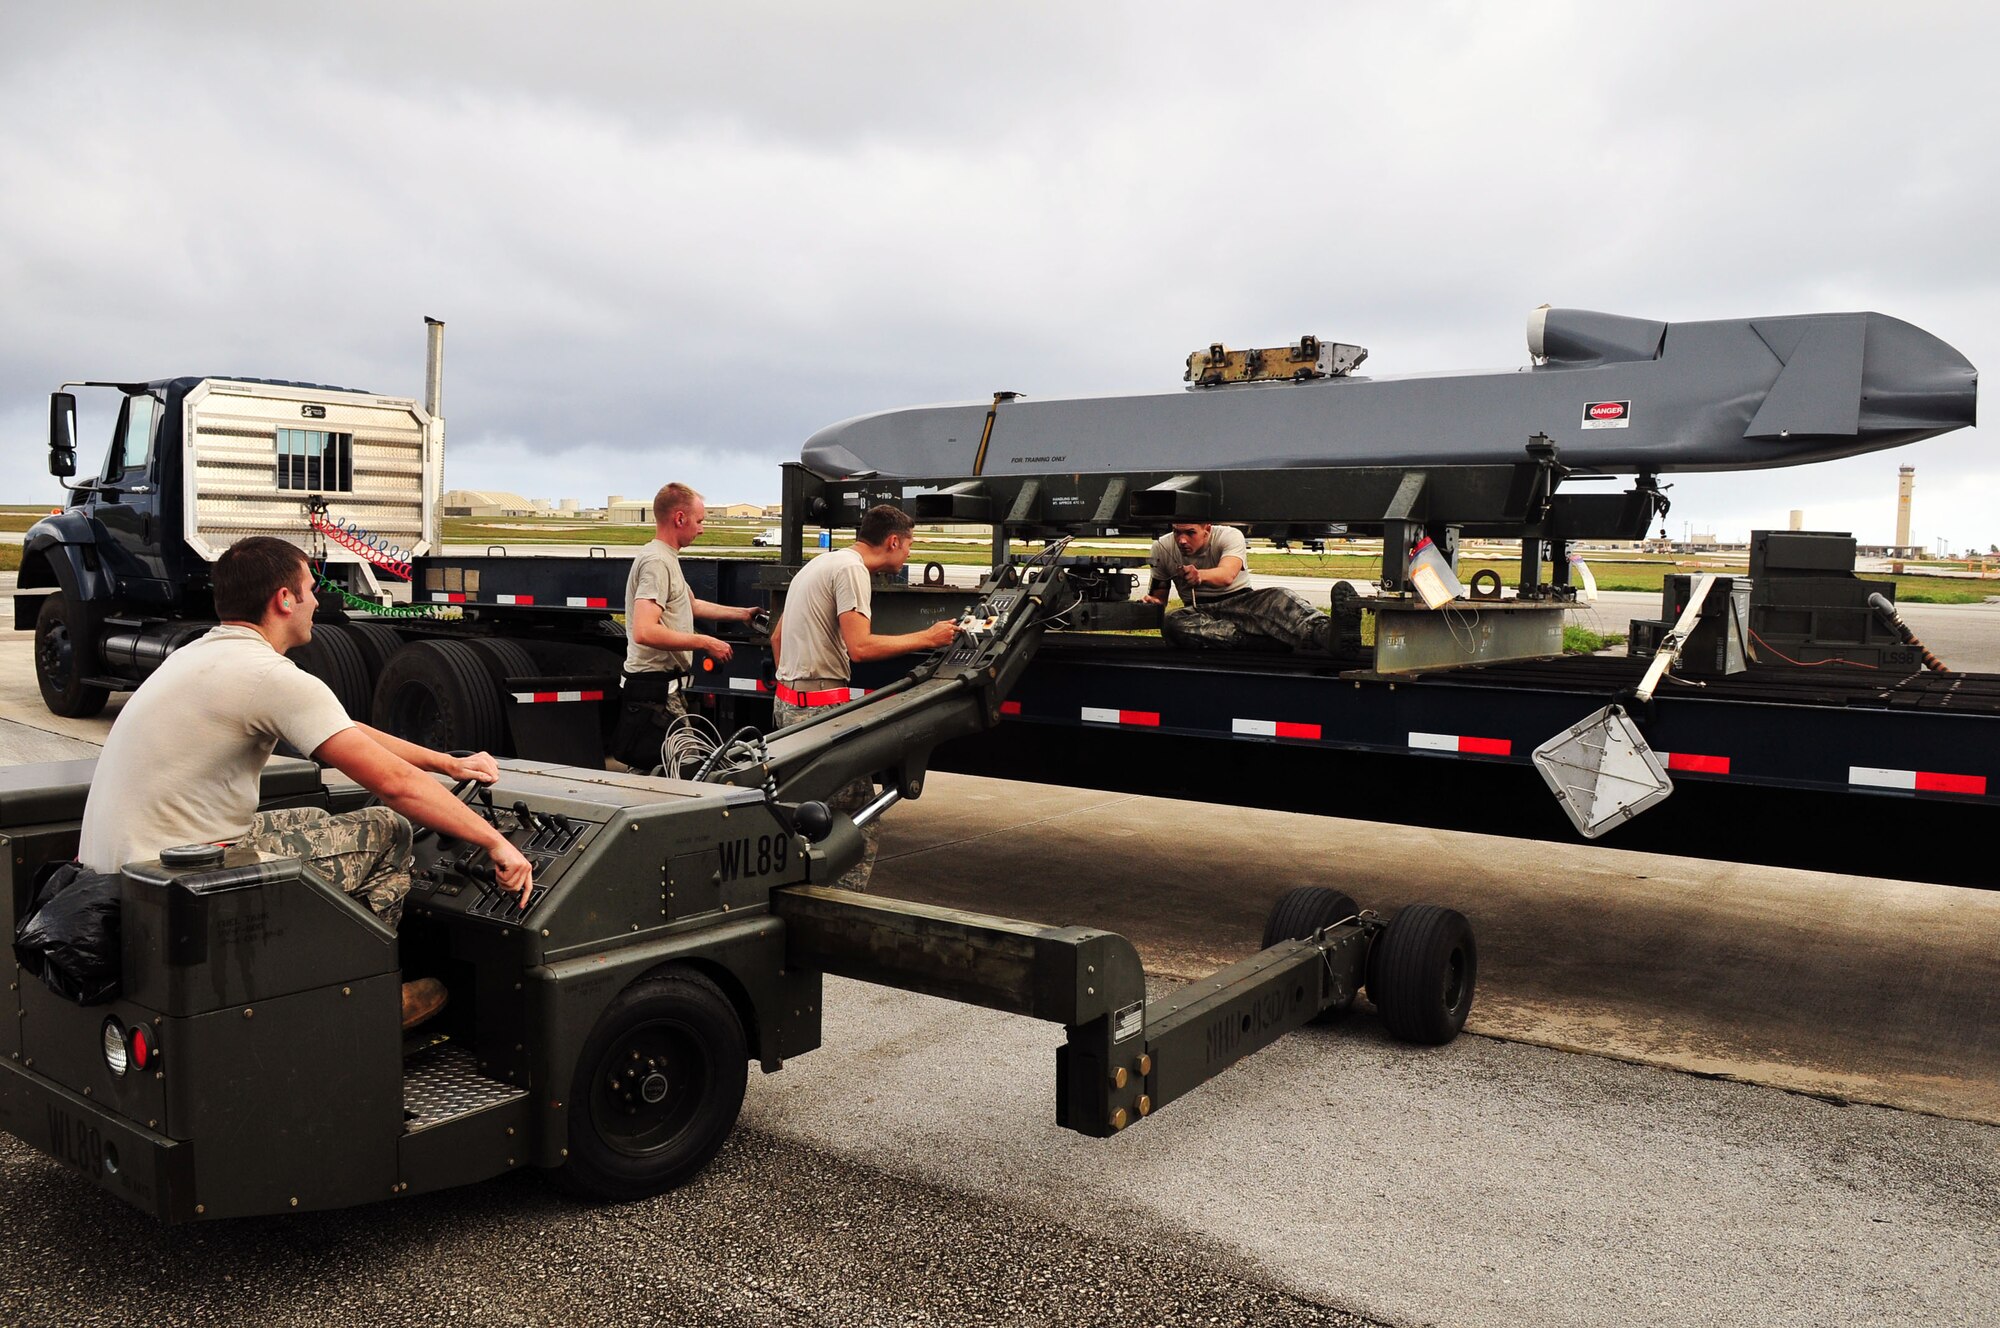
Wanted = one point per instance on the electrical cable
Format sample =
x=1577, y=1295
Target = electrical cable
x=356, y=604
x=354, y=539
x=1808, y=664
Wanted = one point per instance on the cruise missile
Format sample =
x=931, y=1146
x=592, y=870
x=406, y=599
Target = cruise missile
x=1617, y=395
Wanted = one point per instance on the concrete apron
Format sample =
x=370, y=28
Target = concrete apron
x=1849, y=988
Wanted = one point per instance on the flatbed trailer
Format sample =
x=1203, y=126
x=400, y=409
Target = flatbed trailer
x=1889, y=771
x=1823, y=769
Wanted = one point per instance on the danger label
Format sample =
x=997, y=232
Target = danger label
x=1607, y=414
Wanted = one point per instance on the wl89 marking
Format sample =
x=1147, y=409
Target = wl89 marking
x=76, y=1143
x=1244, y=1028
x=753, y=857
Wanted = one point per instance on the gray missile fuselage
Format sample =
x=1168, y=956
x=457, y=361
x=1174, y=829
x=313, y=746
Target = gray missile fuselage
x=1618, y=395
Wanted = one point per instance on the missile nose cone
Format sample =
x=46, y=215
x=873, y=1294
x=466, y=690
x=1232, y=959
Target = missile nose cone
x=1914, y=383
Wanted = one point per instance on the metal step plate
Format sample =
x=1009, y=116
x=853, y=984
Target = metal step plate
x=442, y=1082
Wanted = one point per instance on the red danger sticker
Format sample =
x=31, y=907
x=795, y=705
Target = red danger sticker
x=1607, y=414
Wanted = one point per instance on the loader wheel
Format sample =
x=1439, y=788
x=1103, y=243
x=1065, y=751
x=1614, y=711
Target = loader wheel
x=657, y=1089
x=1299, y=914
x=439, y=694
x=66, y=654
x=1421, y=973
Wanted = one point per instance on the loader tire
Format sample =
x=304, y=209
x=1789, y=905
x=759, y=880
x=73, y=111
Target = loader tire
x=657, y=1088
x=1301, y=913
x=1421, y=973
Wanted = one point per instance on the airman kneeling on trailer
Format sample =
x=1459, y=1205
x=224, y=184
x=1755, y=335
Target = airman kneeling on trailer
x=660, y=609
x=826, y=626
x=1209, y=565
x=183, y=760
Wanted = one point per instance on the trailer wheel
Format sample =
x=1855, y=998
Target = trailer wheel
x=65, y=654
x=657, y=1089
x=1421, y=973
x=1299, y=914
x=439, y=694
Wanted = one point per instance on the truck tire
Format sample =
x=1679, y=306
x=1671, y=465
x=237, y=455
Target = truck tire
x=66, y=637
x=657, y=1088
x=439, y=694
x=336, y=659
x=1299, y=914
x=1421, y=973
x=509, y=659
x=378, y=644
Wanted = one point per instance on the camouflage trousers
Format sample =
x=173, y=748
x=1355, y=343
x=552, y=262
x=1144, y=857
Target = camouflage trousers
x=1250, y=620
x=851, y=797
x=365, y=852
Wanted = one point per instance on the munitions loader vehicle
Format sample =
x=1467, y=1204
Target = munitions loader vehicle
x=681, y=926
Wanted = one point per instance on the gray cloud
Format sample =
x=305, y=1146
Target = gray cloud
x=673, y=241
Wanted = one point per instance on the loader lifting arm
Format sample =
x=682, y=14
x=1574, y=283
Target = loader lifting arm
x=888, y=736
x=1124, y=1056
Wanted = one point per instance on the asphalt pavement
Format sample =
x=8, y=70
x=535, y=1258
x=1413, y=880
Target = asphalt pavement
x=910, y=1171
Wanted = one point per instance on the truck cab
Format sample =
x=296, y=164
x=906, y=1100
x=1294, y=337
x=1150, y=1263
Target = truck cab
x=111, y=584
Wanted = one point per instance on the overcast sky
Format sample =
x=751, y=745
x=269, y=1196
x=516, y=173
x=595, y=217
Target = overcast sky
x=672, y=241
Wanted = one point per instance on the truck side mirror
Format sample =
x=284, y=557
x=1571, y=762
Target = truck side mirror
x=62, y=434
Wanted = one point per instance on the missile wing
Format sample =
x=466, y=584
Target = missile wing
x=1616, y=394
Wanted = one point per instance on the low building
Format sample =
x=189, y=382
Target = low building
x=490, y=502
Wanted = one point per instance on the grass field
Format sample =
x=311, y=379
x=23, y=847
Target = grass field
x=1620, y=571
x=1645, y=573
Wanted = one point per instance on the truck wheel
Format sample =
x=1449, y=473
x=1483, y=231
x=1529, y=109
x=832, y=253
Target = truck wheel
x=66, y=654
x=1299, y=914
x=657, y=1089
x=336, y=659
x=1421, y=973
x=377, y=644
x=509, y=659
x=439, y=694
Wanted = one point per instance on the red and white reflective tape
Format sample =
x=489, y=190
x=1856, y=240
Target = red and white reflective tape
x=536, y=698
x=583, y=602
x=1694, y=764
x=1010, y=707
x=1274, y=728
x=747, y=685
x=439, y=597
x=513, y=599
x=1916, y=781
x=1462, y=743
x=1143, y=718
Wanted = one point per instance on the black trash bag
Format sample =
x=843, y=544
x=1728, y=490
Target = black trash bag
x=70, y=937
